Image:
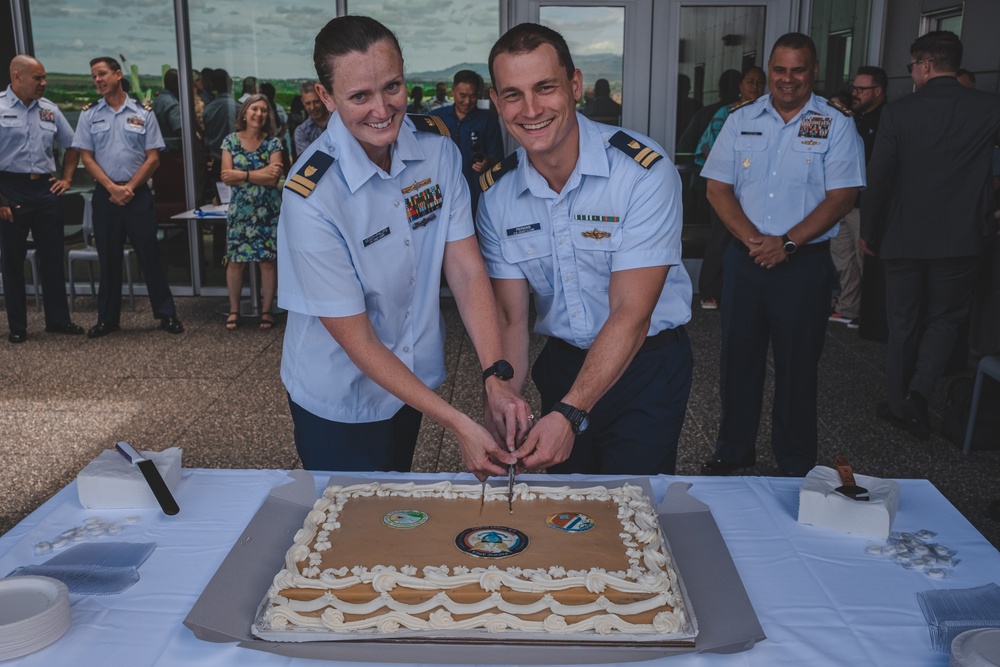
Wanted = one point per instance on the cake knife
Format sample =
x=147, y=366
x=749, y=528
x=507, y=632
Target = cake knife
x=152, y=475
x=510, y=487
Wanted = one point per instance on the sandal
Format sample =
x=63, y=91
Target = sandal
x=266, y=321
x=232, y=321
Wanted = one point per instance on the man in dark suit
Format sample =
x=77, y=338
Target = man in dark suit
x=927, y=212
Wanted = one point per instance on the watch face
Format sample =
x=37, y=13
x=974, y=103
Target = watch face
x=584, y=423
x=504, y=370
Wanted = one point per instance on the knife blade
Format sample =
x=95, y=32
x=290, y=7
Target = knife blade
x=152, y=475
x=510, y=487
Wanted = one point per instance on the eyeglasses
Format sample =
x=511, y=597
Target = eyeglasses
x=861, y=89
x=909, y=68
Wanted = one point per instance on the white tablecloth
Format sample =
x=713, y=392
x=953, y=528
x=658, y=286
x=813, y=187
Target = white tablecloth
x=820, y=598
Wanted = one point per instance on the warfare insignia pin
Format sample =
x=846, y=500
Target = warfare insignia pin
x=595, y=234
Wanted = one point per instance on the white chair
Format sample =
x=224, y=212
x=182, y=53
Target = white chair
x=987, y=366
x=88, y=253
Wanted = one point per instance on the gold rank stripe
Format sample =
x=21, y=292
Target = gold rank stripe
x=439, y=123
x=296, y=187
x=646, y=157
x=486, y=180
x=303, y=182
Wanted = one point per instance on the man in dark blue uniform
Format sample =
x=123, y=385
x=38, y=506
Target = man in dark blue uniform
x=29, y=124
x=476, y=132
x=120, y=143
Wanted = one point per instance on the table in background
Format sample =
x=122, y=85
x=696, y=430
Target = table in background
x=819, y=597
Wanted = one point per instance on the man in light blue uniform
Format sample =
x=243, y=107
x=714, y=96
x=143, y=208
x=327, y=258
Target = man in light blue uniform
x=120, y=143
x=29, y=124
x=590, y=218
x=781, y=174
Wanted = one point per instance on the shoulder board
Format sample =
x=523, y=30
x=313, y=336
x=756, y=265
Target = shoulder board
x=840, y=107
x=428, y=123
x=642, y=154
x=490, y=177
x=305, y=179
x=87, y=106
x=147, y=106
x=739, y=105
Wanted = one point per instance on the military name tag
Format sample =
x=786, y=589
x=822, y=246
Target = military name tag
x=377, y=236
x=524, y=229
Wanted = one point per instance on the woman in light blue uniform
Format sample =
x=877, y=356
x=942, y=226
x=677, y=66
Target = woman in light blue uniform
x=372, y=213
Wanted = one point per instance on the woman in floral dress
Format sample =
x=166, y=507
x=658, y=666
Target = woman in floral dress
x=252, y=167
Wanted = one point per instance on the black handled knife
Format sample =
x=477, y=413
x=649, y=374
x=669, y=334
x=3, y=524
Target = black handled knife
x=152, y=475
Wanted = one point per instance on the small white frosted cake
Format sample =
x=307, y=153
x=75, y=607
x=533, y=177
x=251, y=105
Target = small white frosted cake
x=390, y=559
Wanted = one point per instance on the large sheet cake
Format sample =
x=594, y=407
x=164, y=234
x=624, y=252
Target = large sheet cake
x=440, y=560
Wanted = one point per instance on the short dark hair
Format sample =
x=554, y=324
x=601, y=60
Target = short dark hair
x=878, y=75
x=250, y=85
x=797, y=41
x=107, y=60
x=170, y=81
x=525, y=38
x=942, y=47
x=241, y=115
x=267, y=90
x=469, y=77
x=347, y=34
x=602, y=88
x=221, y=81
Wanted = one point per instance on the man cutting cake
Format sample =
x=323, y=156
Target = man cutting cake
x=589, y=217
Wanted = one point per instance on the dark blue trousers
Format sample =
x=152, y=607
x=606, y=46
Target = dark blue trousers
x=785, y=308
x=136, y=222
x=328, y=445
x=635, y=426
x=35, y=210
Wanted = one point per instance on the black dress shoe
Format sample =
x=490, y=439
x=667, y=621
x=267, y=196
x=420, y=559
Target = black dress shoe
x=717, y=466
x=18, y=336
x=915, y=413
x=68, y=328
x=102, y=329
x=171, y=325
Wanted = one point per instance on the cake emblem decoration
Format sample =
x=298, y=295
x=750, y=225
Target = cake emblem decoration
x=571, y=522
x=491, y=541
x=405, y=519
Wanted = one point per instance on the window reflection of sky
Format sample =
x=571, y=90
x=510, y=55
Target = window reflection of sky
x=274, y=40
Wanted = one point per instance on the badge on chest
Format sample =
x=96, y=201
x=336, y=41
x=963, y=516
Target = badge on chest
x=47, y=115
x=421, y=205
x=815, y=127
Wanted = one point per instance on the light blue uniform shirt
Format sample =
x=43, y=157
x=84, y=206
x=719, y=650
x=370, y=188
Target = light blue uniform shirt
x=27, y=133
x=118, y=139
x=561, y=245
x=367, y=242
x=782, y=171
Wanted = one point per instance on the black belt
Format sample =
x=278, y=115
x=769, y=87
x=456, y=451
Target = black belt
x=654, y=342
x=24, y=177
x=804, y=249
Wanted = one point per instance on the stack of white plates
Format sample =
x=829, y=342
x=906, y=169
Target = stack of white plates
x=34, y=612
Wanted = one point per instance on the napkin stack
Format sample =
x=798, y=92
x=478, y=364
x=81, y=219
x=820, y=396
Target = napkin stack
x=111, y=482
x=821, y=505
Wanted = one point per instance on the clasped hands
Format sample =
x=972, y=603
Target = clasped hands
x=120, y=194
x=767, y=251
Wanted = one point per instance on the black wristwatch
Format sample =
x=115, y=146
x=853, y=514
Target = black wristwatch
x=502, y=369
x=789, y=245
x=578, y=419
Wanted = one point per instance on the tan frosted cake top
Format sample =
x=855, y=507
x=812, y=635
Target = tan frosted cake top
x=355, y=567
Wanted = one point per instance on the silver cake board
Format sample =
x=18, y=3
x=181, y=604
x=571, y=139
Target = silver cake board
x=226, y=609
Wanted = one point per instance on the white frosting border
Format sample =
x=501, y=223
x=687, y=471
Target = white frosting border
x=650, y=571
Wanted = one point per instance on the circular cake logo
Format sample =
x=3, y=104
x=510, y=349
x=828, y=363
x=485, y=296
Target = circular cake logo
x=491, y=541
x=571, y=522
x=405, y=519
